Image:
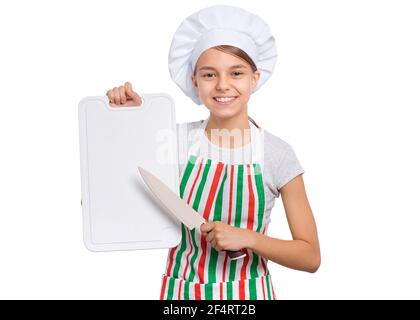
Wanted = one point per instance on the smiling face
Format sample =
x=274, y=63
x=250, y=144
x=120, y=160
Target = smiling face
x=224, y=83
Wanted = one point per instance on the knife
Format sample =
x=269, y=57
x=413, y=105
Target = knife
x=178, y=206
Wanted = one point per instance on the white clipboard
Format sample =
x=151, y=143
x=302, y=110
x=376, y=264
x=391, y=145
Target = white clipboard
x=119, y=212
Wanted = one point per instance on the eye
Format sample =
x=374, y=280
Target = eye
x=237, y=73
x=208, y=75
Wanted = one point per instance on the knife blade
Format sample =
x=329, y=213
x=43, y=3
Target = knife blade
x=178, y=207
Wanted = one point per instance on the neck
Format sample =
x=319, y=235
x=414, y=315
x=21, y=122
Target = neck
x=238, y=124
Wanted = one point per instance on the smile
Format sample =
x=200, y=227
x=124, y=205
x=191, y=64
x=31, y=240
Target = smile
x=224, y=100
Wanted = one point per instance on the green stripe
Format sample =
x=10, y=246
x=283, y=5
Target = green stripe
x=208, y=291
x=180, y=252
x=229, y=290
x=261, y=208
x=187, y=173
x=238, y=216
x=254, y=266
x=212, y=265
x=195, y=207
x=217, y=217
x=268, y=288
x=232, y=270
x=219, y=200
x=201, y=186
x=171, y=289
x=191, y=266
x=239, y=185
x=252, y=289
x=186, y=290
x=261, y=197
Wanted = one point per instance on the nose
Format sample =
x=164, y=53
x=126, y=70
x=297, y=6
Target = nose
x=222, y=83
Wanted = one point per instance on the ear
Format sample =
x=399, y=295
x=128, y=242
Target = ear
x=194, y=81
x=255, y=78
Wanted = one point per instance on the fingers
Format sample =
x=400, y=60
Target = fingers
x=124, y=96
x=217, y=245
x=214, y=245
x=116, y=92
x=131, y=94
x=214, y=241
x=209, y=236
x=128, y=89
x=110, y=96
x=207, y=227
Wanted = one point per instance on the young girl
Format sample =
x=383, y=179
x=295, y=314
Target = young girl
x=219, y=56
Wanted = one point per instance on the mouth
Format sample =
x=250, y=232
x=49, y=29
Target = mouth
x=224, y=101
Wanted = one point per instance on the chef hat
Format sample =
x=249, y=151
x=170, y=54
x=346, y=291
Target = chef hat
x=220, y=25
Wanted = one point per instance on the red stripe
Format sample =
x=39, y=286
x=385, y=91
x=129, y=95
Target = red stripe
x=206, y=215
x=188, y=255
x=197, y=291
x=230, y=194
x=179, y=290
x=262, y=282
x=221, y=291
x=250, y=225
x=251, y=204
x=189, y=234
x=195, y=181
x=241, y=290
x=213, y=188
x=229, y=217
x=171, y=261
x=202, y=259
x=264, y=266
x=272, y=289
x=262, y=259
x=224, y=268
x=244, y=265
x=162, y=292
x=171, y=255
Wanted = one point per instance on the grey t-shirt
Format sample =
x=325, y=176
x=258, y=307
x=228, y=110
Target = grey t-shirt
x=280, y=163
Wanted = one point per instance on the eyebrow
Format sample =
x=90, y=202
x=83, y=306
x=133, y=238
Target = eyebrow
x=232, y=67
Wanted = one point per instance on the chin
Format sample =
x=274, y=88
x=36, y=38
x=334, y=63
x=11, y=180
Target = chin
x=223, y=114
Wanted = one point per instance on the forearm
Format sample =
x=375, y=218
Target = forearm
x=295, y=254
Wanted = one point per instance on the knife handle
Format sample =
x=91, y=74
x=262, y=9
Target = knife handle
x=235, y=255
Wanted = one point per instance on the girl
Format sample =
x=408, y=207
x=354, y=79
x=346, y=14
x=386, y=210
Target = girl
x=232, y=182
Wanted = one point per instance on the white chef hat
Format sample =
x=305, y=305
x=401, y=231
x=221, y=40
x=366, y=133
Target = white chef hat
x=214, y=26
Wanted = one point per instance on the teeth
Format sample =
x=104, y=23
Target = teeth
x=225, y=99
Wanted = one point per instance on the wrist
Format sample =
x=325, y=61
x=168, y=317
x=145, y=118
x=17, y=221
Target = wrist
x=251, y=239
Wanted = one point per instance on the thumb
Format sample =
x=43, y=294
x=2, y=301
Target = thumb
x=131, y=94
x=206, y=227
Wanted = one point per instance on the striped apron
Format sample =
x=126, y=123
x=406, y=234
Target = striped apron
x=234, y=194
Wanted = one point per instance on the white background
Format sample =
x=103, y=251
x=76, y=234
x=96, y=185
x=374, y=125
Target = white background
x=344, y=94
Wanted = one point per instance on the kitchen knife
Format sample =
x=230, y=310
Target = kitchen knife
x=178, y=206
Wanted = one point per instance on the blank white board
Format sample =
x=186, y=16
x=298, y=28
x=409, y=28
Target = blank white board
x=119, y=211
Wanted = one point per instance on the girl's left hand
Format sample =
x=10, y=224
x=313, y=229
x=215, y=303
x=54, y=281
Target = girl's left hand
x=225, y=237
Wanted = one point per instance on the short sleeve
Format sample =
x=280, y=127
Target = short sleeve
x=287, y=168
x=280, y=163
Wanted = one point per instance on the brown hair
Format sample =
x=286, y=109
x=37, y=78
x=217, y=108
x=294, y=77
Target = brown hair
x=239, y=53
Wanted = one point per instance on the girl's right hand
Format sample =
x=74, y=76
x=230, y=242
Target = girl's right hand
x=123, y=96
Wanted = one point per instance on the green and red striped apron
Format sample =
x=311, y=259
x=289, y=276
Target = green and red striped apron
x=234, y=194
